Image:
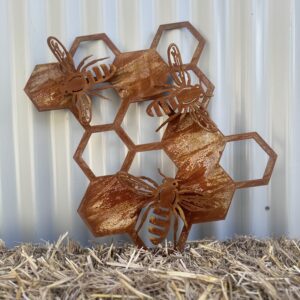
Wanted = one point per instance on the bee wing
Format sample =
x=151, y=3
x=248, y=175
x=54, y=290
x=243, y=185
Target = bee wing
x=196, y=202
x=202, y=118
x=84, y=107
x=62, y=55
x=179, y=75
x=136, y=184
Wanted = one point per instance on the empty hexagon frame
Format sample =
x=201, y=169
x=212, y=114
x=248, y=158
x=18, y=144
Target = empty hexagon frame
x=108, y=207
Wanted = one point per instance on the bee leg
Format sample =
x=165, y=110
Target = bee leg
x=75, y=106
x=189, y=80
x=185, y=191
x=150, y=180
x=176, y=222
x=180, y=210
x=139, y=242
x=178, y=123
x=145, y=214
x=171, y=118
x=93, y=93
x=84, y=68
x=74, y=99
x=82, y=63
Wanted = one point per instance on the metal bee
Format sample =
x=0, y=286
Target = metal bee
x=80, y=82
x=168, y=199
x=182, y=96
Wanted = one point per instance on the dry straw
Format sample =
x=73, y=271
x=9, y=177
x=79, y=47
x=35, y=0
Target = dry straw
x=241, y=268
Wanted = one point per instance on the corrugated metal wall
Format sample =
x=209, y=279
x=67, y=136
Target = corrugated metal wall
x=252, y=55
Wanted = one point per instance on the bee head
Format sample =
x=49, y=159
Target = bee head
x=171, y=182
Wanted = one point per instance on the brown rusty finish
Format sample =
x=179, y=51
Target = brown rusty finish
x=43, y=90
x=219, y=188
x=121, y=112
x=80, y=82
x=124, y=137
x=128, y=161
x=191, y=147
x=101, y=128
x=170, y=198
x=265, y=147
x=205, y=82
x=203, y=190
x=181, y=25
x=60, y=85
x=182, y=97
x=138, y=74
x=94, y=37
x=109, y=207
x=184, y=234
x=84, y=142
x=79, y=159
x=149, y=147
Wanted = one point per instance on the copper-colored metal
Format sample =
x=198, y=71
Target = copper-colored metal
x=181, y=25
x=62, y=85
x=182, y=97
x=265, y=147
x=201, y=190
x=80, y=82
x=139, y=74
x=169, y=198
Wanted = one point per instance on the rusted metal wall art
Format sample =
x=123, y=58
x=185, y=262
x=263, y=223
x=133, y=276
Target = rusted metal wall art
x=123, y=203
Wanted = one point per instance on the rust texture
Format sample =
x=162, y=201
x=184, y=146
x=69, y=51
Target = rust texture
x=122, y=203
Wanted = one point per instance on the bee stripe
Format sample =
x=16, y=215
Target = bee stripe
x=161, y=212
x=157, y=231
x=173, y=103
x=158, y=222
x=105, y=70
x=98, y=73
x=165, y=107
x=157, y=109
x=155, y=241
x=90, y=77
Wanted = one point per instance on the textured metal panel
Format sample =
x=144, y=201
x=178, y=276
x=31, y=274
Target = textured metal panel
x=252, y=55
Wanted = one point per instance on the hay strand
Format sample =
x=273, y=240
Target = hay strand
x=240, y=268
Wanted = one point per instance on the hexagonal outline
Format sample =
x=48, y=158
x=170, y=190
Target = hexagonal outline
x=89, y=38
x=82, y=145
x=196, y=56
x=266, y=148
x=94, y=37
x=180, y=25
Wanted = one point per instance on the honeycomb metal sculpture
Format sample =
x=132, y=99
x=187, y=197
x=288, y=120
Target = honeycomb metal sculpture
x=111, y=207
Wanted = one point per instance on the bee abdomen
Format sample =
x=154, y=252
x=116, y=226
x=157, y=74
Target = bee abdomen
x=162, y=107
x=161, y=220
x=161, y=212
x=101, y=73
